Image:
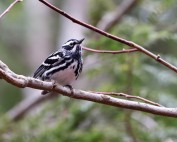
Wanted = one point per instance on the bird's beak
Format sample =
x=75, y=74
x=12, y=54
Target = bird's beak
x=80, y=41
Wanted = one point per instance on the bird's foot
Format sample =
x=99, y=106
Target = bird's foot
x=71, y=89
x=54, y=84
x=44, y=92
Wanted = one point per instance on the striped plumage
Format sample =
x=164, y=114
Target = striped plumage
x=63, y=66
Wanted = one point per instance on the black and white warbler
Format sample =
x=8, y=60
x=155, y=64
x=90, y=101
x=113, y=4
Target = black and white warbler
x=63, y=66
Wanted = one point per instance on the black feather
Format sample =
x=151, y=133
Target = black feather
x=69, y=53
x=39, y=71
x=51, y=60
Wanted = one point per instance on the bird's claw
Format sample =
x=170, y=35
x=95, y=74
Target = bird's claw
x=44, y=92
x=71, y=88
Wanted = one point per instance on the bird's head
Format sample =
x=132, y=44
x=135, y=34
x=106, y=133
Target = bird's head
x=73, y=46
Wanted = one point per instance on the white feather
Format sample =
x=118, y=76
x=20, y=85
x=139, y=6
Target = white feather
x=67, y=76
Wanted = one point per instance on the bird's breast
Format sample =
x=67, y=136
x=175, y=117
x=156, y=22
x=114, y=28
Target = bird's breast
x=66, y=76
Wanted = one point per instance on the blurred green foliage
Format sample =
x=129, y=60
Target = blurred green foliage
x=153, y=25
x=11, y=42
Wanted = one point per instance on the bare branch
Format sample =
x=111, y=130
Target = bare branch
x=130, y=97
x=121, y=40
x=110, y=51
x=8, y=9
x=22, y=81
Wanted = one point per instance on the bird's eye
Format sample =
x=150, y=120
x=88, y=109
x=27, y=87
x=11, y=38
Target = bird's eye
x=71, y=44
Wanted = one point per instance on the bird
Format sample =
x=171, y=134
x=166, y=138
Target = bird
x=63, y=66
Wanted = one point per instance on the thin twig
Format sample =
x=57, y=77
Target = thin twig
x=10, y=6
x=130, y=97
x=22, y=81
x=121, y=40
x=110, y=51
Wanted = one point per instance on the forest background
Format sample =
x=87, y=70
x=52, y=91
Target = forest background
x=31, y=31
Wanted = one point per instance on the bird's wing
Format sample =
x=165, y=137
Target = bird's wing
x=39, y=71
x=54, y=58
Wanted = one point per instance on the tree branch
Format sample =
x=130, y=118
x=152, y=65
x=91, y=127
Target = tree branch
x=121, y=40
x=22, y=81
x=8, y=9
x=110, y=51
x=130, y=97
